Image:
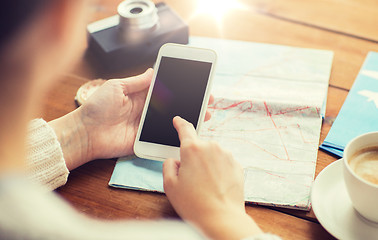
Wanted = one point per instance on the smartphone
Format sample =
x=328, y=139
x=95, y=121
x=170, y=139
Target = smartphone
x=180, y=87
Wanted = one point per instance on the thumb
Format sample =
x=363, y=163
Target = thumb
x=137, y=83
x=170, y=173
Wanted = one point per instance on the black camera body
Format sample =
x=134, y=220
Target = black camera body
x=128, y=40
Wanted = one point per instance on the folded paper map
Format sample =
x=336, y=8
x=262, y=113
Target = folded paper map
x=269, y=103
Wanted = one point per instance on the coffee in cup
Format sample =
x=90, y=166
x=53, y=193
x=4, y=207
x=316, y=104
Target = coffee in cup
x=364, y=163
x=361, y=174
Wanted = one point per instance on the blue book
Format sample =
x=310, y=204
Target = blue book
x=359, y=113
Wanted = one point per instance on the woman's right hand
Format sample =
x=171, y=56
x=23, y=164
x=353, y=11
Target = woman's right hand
x=206, y=187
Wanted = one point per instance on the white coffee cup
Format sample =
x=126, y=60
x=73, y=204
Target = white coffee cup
x=363, y=193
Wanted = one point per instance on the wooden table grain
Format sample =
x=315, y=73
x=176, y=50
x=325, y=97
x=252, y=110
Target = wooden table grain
x=348, y=28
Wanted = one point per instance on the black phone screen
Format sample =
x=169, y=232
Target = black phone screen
x=179, y=90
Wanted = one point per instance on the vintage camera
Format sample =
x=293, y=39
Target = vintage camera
x=134, y=36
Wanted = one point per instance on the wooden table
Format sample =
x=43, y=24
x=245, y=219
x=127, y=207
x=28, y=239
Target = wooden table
x=349, y=28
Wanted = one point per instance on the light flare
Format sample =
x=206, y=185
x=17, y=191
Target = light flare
x=217, y=8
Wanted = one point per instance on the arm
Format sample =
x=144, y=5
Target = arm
x=28, y=212
x=206, y=187
x=73, y=139
x=104, y=127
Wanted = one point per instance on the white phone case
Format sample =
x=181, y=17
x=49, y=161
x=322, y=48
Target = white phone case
x=161, y=152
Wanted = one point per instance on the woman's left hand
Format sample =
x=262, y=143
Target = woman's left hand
x=111, y=115
x=105, y=126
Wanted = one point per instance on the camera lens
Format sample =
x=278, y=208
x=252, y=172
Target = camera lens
x=137, y=14
x=136, y=10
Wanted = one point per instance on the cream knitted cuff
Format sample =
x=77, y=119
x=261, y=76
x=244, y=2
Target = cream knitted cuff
x=45, y=161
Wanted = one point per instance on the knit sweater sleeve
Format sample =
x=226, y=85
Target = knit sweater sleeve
x=45, y=161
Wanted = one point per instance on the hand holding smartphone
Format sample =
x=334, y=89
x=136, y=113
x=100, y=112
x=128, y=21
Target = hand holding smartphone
x=180, y=87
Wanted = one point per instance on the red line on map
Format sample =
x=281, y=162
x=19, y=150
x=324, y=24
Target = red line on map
x=230, y=106
x=300, y=131
x=275, y=175
x=255, y=130
x=262, y=149
x=278, y=131
x=291, y=110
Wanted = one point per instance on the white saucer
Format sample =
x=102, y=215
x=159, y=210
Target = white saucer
x=334, y=210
